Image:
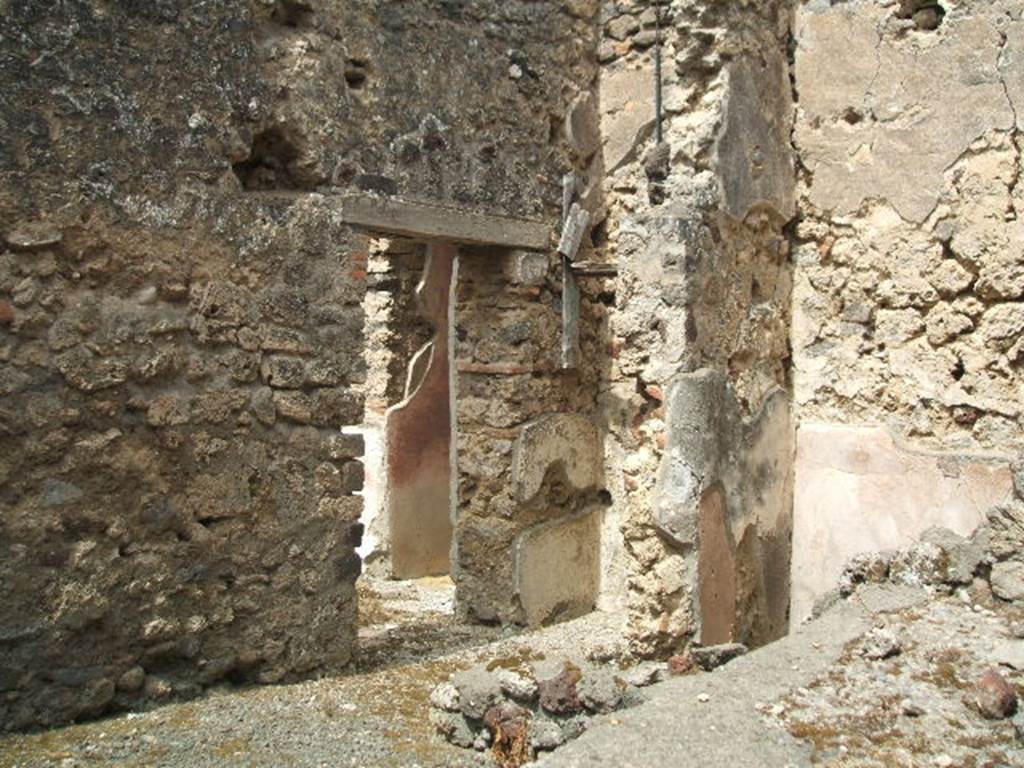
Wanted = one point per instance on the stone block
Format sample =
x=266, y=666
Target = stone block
x=558, y=568
x=564, y=439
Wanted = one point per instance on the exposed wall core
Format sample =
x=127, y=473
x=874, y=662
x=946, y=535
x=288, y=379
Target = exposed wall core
x=699, y=451
x=784, y=323
x=908, y=313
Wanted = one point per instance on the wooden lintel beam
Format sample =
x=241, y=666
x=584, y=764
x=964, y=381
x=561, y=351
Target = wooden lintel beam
x=436, y=222
x=429, y=221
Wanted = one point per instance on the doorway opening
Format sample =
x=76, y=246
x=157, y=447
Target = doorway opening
x=407, y=595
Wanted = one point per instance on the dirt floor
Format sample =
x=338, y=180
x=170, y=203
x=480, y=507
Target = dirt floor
x=883, y=679
x=374, y=716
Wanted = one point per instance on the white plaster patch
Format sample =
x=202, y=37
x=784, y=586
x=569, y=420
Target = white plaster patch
x=858, y=492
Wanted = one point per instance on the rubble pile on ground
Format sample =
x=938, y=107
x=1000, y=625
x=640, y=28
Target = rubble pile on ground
x=939, y=679
x=533, y=707
x=987, y=565
x=519, y=710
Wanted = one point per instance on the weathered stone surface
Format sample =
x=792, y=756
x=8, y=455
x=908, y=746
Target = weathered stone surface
x=1007, y=579
x=994, y=697
x=582, y=127
x=183, y=333
x=880, y=643
x=558, y=568
x=754, y=153
x=445, y=697
x=623, y=26
x=681, y=664
x=600, y=690
x=528, y=449
x=1006, y=525
x=517, y=686
x=453, y=727
x=559, y=694
x=561, y=440
x=1017, y=468
x=906, y=201
x=709, y=657
x=735, y=504
x=546, y=734
x=951, y=87
x=419, y=220
x=627, y=111
x=643, y=674
x=857, y=491
x=478, y=691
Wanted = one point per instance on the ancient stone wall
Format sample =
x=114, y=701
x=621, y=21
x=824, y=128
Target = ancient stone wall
x=697, y=397
x=529, y=450
x=181, y=320
x=908, y=313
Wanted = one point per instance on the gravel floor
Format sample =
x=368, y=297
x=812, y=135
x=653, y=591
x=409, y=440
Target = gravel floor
x=374, y=717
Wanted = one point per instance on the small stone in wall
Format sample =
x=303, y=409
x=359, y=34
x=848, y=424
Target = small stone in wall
x=132, y=680
x=33, y=235
x=645, y=39
x=994, y=697
x=622, y=27
x=950, y=278
x=1017, y=468
x=928, y=19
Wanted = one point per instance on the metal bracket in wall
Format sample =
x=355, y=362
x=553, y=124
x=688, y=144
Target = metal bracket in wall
x=594, y=269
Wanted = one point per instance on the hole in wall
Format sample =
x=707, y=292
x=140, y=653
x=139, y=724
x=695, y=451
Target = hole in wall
x=852, y=116
x=927, y=15
x=290, y=13
x=356, y=73
x=273, y=163
x=958, y=370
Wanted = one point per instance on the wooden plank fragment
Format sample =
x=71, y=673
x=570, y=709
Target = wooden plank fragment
x=573, y=231
x=570, y=316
